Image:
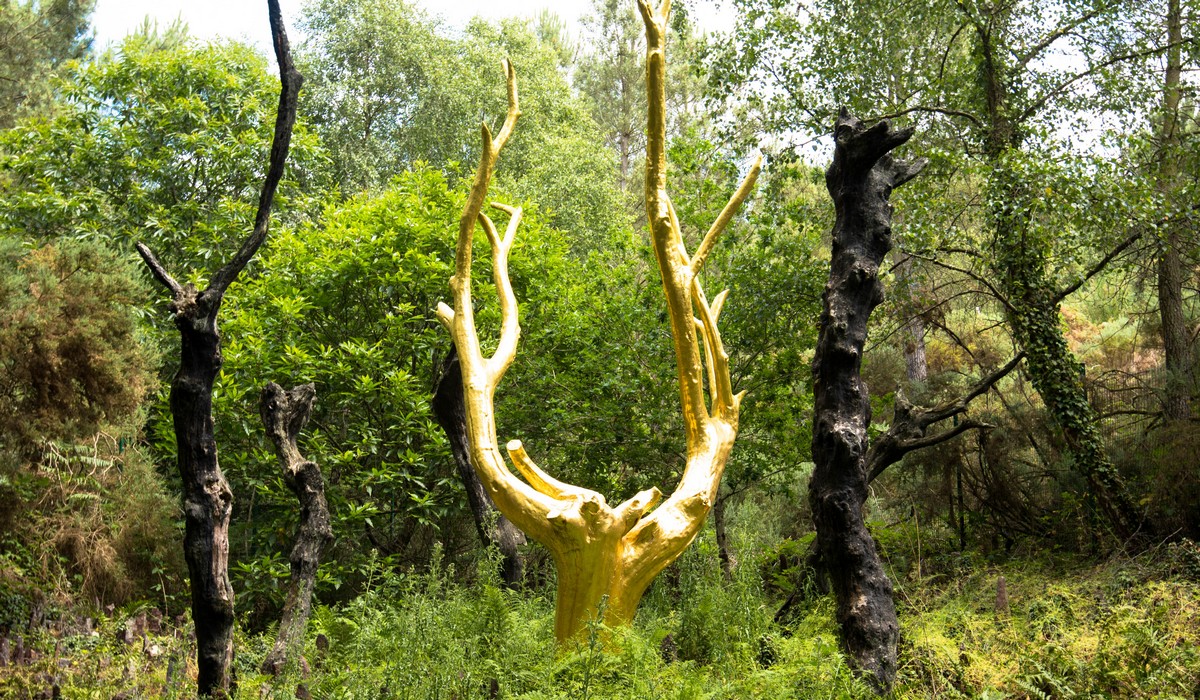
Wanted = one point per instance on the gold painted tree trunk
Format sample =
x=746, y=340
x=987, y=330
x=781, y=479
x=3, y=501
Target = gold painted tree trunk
x=603, y=551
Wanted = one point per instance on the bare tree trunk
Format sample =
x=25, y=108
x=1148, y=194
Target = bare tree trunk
x=860, y=180
x=284, y=414
x=207, y=499
x=492, y=526
x=914, y=329
x=914, y=350
x=1176, y=348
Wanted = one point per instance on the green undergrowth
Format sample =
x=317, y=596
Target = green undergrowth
x=1125, y=628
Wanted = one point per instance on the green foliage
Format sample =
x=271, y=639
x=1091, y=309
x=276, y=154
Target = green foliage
x=375, y=84
x=89, y=524
x=610, y=76
x=348, y=304
x=389, y=88
x=37, y=38
x=1127, y=628
x=592, y=392
x=71, y=359
x=1113, y=631
x=157, y=142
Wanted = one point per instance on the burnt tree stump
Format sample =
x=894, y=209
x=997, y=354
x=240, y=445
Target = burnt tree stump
x=860, y=181
x=284, y=413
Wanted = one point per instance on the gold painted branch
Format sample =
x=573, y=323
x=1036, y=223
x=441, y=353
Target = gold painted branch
x=600, y=550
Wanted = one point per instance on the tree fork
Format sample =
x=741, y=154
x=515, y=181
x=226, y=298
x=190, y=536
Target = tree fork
x=207, y=499
x=860, y=181
x=284, y=414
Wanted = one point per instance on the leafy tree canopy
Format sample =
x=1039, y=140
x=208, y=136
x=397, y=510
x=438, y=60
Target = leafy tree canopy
x=37, y=37
x=160, y=142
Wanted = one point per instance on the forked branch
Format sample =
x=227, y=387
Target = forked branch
x=601, y=550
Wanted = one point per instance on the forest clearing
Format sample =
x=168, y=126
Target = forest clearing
x=836, y=349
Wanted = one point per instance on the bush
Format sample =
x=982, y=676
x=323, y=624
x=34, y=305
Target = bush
x=71, y=360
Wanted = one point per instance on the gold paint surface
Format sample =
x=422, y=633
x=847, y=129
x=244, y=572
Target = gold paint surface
x=601, y=550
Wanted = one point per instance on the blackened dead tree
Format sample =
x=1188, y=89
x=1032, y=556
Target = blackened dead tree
x=860, y=180
x=207, y=500
x=492, y=526
x=284, y=414
x=910, y=430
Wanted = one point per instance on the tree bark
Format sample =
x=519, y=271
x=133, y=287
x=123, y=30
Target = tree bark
x=284, y=415
x=1176, y=348
x=492, y=526
x=860, y=181
x=207, y=499
x=915, y=365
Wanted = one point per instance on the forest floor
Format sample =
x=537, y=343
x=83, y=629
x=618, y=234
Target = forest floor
x=1064, y=628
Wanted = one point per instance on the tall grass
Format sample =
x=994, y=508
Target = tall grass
x=1125, y=628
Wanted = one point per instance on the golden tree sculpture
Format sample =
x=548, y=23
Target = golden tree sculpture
x=603, y=552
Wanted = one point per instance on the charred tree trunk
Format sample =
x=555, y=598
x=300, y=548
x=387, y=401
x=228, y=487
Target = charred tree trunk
x=860, y=180
x=492, y=526
x=284, y=414
x=207, y=499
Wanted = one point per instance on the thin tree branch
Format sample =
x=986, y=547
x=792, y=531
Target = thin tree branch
x=991, y=288
x=1033, y=51
x=1095, y=269
x=929, y=109
x=907, y=432
x=1062, y=87
x=156, y=268
x=285, y=119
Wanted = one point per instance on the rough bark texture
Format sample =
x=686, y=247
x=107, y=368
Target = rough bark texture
x=914, y=350
x=860, y=180
x=1176, y=348
x=284, y=414
x=492, y=526
x=207, y=500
